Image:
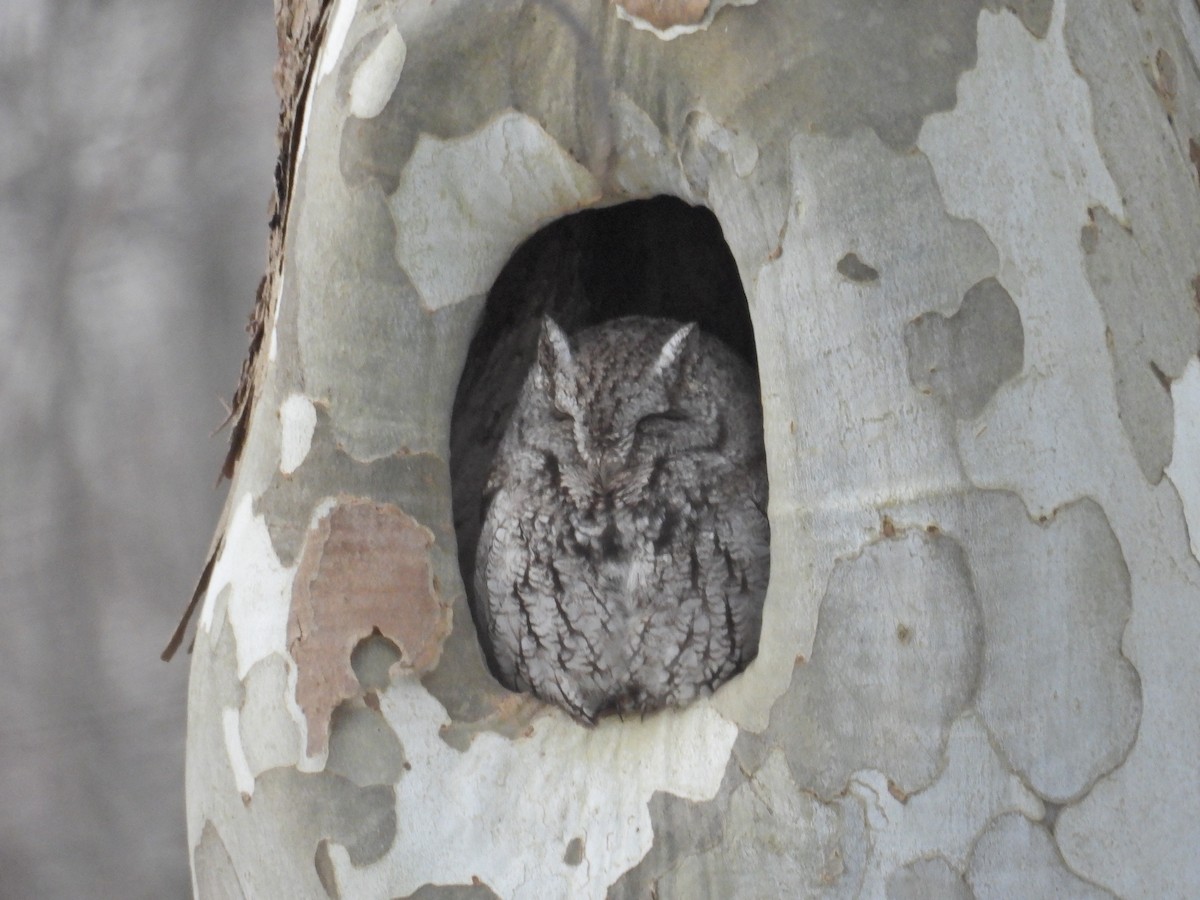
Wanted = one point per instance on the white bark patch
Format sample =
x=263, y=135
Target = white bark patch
x=272, y=330
x=1184, y=470
x=273, y=339
x=242, y=776
x=339, y=29
x=463, y=205
x=516, y=804
x=328, y=53
x=377, y=75
x=297, y=422
x=945, y=819
x=259, y=588
x=1021, y=139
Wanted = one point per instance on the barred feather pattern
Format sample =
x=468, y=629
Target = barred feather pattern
x=624, y=553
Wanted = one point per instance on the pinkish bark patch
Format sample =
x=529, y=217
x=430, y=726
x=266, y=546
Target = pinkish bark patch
x=666, y=13
x=364, y=567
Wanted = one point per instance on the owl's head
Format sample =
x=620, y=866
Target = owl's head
x=621, y=398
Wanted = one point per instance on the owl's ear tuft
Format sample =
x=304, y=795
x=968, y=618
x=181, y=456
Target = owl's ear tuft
x=553, y=353
x=673, y=352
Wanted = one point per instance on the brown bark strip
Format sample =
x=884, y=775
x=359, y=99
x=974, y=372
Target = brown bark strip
x=300, y=25
x=300, y=28
x=197, y=596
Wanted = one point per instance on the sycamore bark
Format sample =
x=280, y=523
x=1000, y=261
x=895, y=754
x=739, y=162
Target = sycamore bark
x=967, y=234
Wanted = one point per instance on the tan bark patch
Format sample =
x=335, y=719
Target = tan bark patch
x=1166, y=80
x=666, y=13
x=364, y=566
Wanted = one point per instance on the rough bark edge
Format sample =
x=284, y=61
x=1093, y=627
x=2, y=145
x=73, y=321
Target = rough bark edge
x=300, y=29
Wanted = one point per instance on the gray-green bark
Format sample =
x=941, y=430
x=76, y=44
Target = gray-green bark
x=968, y=237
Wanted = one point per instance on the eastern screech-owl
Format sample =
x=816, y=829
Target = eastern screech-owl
x=624, y=553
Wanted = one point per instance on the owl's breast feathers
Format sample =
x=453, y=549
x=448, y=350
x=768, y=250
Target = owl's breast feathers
x=623, y=557
x=624, y=604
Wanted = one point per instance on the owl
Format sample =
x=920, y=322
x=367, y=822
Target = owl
x=624, y=553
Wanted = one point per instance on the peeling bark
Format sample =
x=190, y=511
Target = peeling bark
x=967, y=235
x=364, y=570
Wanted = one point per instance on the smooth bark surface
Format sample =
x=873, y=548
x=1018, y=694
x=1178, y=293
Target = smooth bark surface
x=967, y=235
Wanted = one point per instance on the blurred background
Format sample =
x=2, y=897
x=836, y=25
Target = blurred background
x=136, y=156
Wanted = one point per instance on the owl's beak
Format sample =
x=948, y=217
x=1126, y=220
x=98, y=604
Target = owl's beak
x=608, y=478
x=609, y=470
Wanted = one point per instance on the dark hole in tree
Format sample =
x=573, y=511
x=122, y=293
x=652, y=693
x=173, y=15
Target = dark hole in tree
x=657, y=257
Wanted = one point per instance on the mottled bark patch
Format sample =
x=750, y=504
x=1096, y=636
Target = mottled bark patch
x=269, y=736
x=216, y=877
x=1145, y=256
x=850, y=266
x=464, y=204
x=822, y=850
x=1150, y=341
x=416, y=482
x=364, y=568
x=476, y=891
x=896, y=658
x=1034, y=14
x=1165, y=77
x=927, y=878
x=962, y=360
x=684, y=828
x=709, y=150
x=573, y=855
x=1059, y=698
x=309, y=809
x=1017, y=858
x=363, y=748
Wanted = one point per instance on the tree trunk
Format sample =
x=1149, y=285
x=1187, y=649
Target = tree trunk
x=967, y=235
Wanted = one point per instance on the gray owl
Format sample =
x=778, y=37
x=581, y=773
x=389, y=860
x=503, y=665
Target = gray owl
x=624, y=553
